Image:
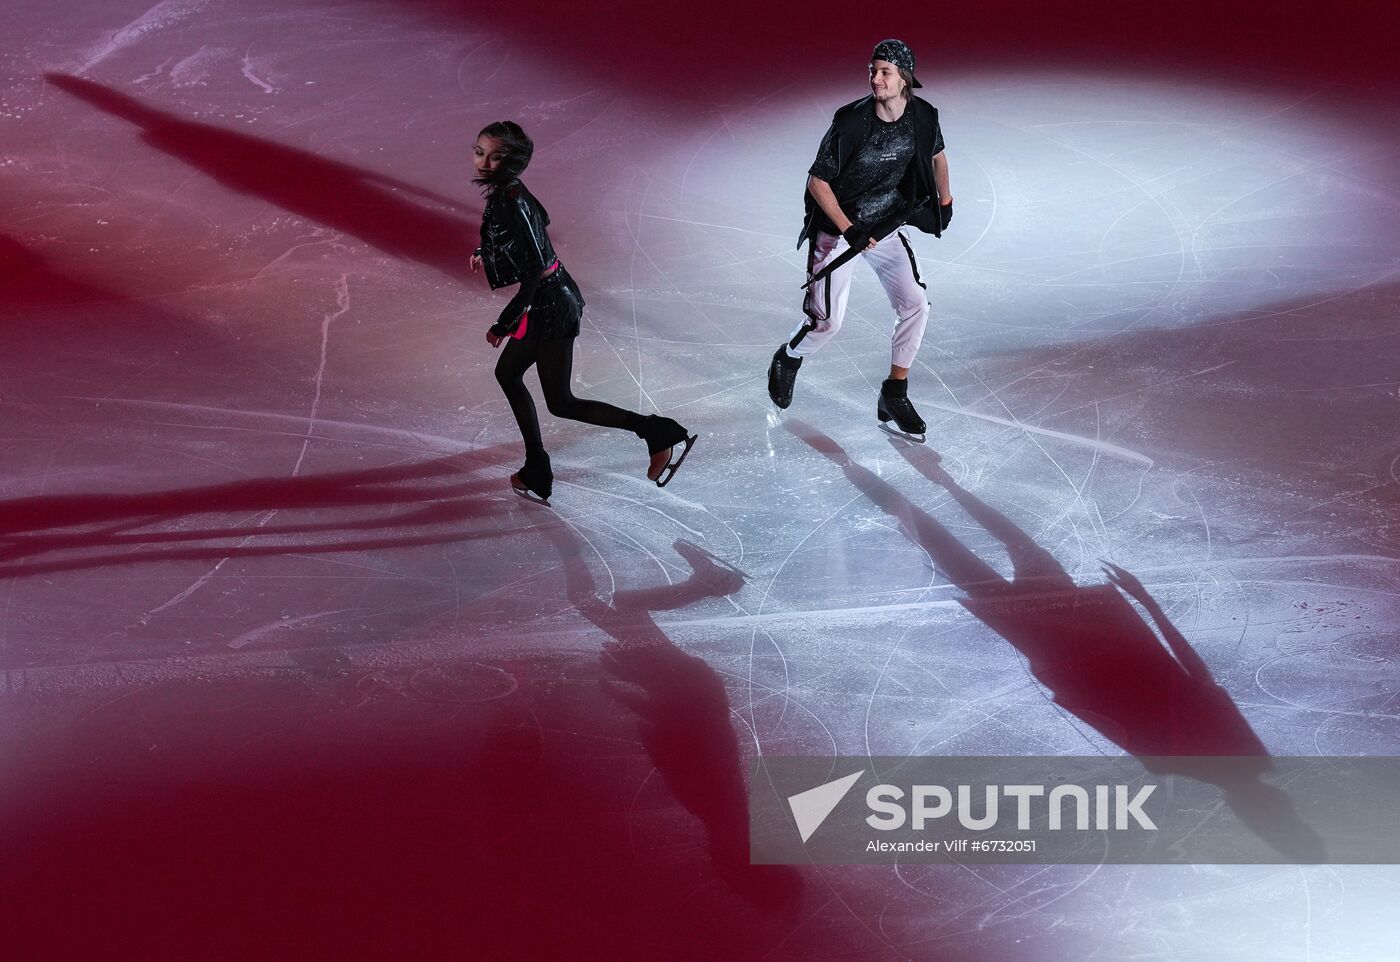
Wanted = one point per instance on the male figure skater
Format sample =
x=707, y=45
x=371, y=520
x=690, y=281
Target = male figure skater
x=880, y=166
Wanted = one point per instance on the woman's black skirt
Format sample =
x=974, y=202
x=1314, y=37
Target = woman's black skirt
x=555, y=309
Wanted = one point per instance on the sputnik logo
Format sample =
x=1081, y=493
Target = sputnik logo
x=810, y=808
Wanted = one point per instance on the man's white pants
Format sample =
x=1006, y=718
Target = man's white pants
x=825, y=305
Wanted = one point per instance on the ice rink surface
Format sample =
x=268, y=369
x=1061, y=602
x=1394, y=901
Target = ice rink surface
x=291, y=673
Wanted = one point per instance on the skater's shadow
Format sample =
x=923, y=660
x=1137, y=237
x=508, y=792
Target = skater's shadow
x=369, y=205
x=446, y=805
x=1098, y=658
x=115, y=529
x=682, y=709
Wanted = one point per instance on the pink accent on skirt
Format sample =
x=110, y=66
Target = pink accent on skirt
x=525, y=318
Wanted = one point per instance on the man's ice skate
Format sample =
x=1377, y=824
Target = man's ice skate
x=782, y=375
x=894, y=405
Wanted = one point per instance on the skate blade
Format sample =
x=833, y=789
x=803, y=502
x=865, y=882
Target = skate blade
x=529, y=495
x=668, y=472
x=717, y=560
x=895, y=432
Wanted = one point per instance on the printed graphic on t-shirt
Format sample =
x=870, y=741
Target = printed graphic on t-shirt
x=868, y=190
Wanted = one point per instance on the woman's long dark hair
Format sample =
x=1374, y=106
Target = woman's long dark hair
x=516, y=151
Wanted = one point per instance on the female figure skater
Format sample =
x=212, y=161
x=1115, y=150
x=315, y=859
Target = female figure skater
x=540, y=323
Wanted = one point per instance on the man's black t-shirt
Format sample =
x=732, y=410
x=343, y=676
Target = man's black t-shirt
x=851, y=127
x=868, y=190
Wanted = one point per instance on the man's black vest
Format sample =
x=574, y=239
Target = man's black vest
x=852, y=125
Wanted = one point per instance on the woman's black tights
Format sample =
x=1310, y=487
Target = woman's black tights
x=554, y=360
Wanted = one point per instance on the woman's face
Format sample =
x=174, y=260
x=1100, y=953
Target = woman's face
x=488, y=154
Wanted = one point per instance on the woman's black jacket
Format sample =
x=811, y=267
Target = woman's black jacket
x=515, y=247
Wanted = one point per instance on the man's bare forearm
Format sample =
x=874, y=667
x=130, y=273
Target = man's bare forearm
x=826, y=199
x=940, y=177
